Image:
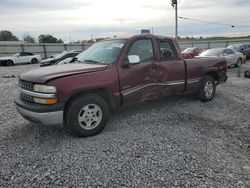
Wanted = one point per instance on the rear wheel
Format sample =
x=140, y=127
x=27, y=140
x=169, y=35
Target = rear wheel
x=9, y=63
x=86, y=115
x=34, y=61
x=239, y=62
x=207, y=88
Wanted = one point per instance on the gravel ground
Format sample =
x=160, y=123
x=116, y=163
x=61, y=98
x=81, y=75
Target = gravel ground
x=173, y=142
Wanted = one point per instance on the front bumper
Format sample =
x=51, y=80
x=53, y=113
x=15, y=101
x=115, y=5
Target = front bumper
x=46, y=115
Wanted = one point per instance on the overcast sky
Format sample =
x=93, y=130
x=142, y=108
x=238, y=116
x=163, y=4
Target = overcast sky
x=79, y=19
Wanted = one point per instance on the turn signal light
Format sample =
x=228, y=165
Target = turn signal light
x=45, y=101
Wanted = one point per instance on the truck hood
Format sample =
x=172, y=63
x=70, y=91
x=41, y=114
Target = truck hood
x=44, y=74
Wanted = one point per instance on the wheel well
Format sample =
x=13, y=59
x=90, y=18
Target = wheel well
x=104, y=93
x=214, y=75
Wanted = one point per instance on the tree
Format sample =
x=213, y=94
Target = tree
x=28, y=38
x=48, y=39
x=7, y=36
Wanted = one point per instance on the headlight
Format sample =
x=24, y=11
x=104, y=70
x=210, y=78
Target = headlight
x=44, y=88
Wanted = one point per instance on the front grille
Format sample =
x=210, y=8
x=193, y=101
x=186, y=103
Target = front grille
x=26, y=85
x=27, y=97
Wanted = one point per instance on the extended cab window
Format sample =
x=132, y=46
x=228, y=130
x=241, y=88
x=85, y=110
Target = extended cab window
x=167, y=50
x=143, y=48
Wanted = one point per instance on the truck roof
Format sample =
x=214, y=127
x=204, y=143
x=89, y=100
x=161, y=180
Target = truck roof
x=135, y=36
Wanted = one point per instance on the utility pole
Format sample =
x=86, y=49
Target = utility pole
x=174, y=4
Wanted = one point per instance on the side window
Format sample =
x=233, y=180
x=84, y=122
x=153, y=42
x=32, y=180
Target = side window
x=143, y=48
x=167, y=50
x=26, y=54
x=69, y=55
x=227, y=52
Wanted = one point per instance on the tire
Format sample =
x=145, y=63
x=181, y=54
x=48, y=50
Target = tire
x=239, y=62
x=86, y=115
x=207, y=88
x=34, y=61
x=9, y=63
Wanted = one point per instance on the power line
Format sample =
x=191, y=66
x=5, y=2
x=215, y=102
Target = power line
x=218, y=23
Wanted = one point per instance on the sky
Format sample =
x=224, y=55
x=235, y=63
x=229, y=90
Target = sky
x=74, y=20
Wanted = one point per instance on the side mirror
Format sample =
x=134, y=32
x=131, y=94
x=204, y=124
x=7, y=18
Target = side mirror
x=134, y=59
x=224, y=54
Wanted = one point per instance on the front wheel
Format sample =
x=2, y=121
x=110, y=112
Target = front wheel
x=207, y=89
x=86, y=115
x=9, y=63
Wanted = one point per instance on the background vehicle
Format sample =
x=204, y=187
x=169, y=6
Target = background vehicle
x=110, y=75
x=233, y=57
x=242, y=48
x=57, y=58
x=20, y=58
x=191, y=52
x=246, y=51
x=65, y=61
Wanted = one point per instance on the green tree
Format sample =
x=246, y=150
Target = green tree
x=28, y=38
x=49, y=39
x=7, y=36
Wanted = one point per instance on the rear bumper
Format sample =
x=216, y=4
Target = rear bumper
x=41, y=114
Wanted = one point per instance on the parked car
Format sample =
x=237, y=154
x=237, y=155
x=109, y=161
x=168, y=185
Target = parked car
x=246, y=52
x=242, y=48
x=66, y=61
x=20, y=58
x=191, y=52
x=59, y=57
x=112, y=74
x=233, y=57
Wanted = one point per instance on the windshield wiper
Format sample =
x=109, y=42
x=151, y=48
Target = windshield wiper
x=91, y=61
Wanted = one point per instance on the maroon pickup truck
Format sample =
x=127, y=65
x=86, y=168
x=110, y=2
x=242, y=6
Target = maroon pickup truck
x=112, y=74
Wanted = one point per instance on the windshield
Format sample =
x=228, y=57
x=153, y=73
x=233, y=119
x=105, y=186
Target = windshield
x=189, y=50
x=15, y=55
x=58, y=56
x=106, y=52
x=211, y=52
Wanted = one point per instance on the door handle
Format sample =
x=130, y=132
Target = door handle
x=153, y=67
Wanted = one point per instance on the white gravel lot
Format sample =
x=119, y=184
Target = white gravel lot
x=172, y=142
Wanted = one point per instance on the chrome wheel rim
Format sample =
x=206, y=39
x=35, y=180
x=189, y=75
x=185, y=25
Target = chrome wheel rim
x=90, y=116
x=239, y=62
x=209, y=89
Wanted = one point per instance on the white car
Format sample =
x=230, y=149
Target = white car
x=20, y=58
x=65, y=61
x=233, y=57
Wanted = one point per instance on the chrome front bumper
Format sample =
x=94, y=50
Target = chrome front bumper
x=46, y=118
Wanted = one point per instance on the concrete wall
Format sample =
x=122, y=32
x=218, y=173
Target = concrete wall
x=44, y=50
x=211, y=44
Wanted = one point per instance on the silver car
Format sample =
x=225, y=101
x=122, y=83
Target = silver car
x=233, y=57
